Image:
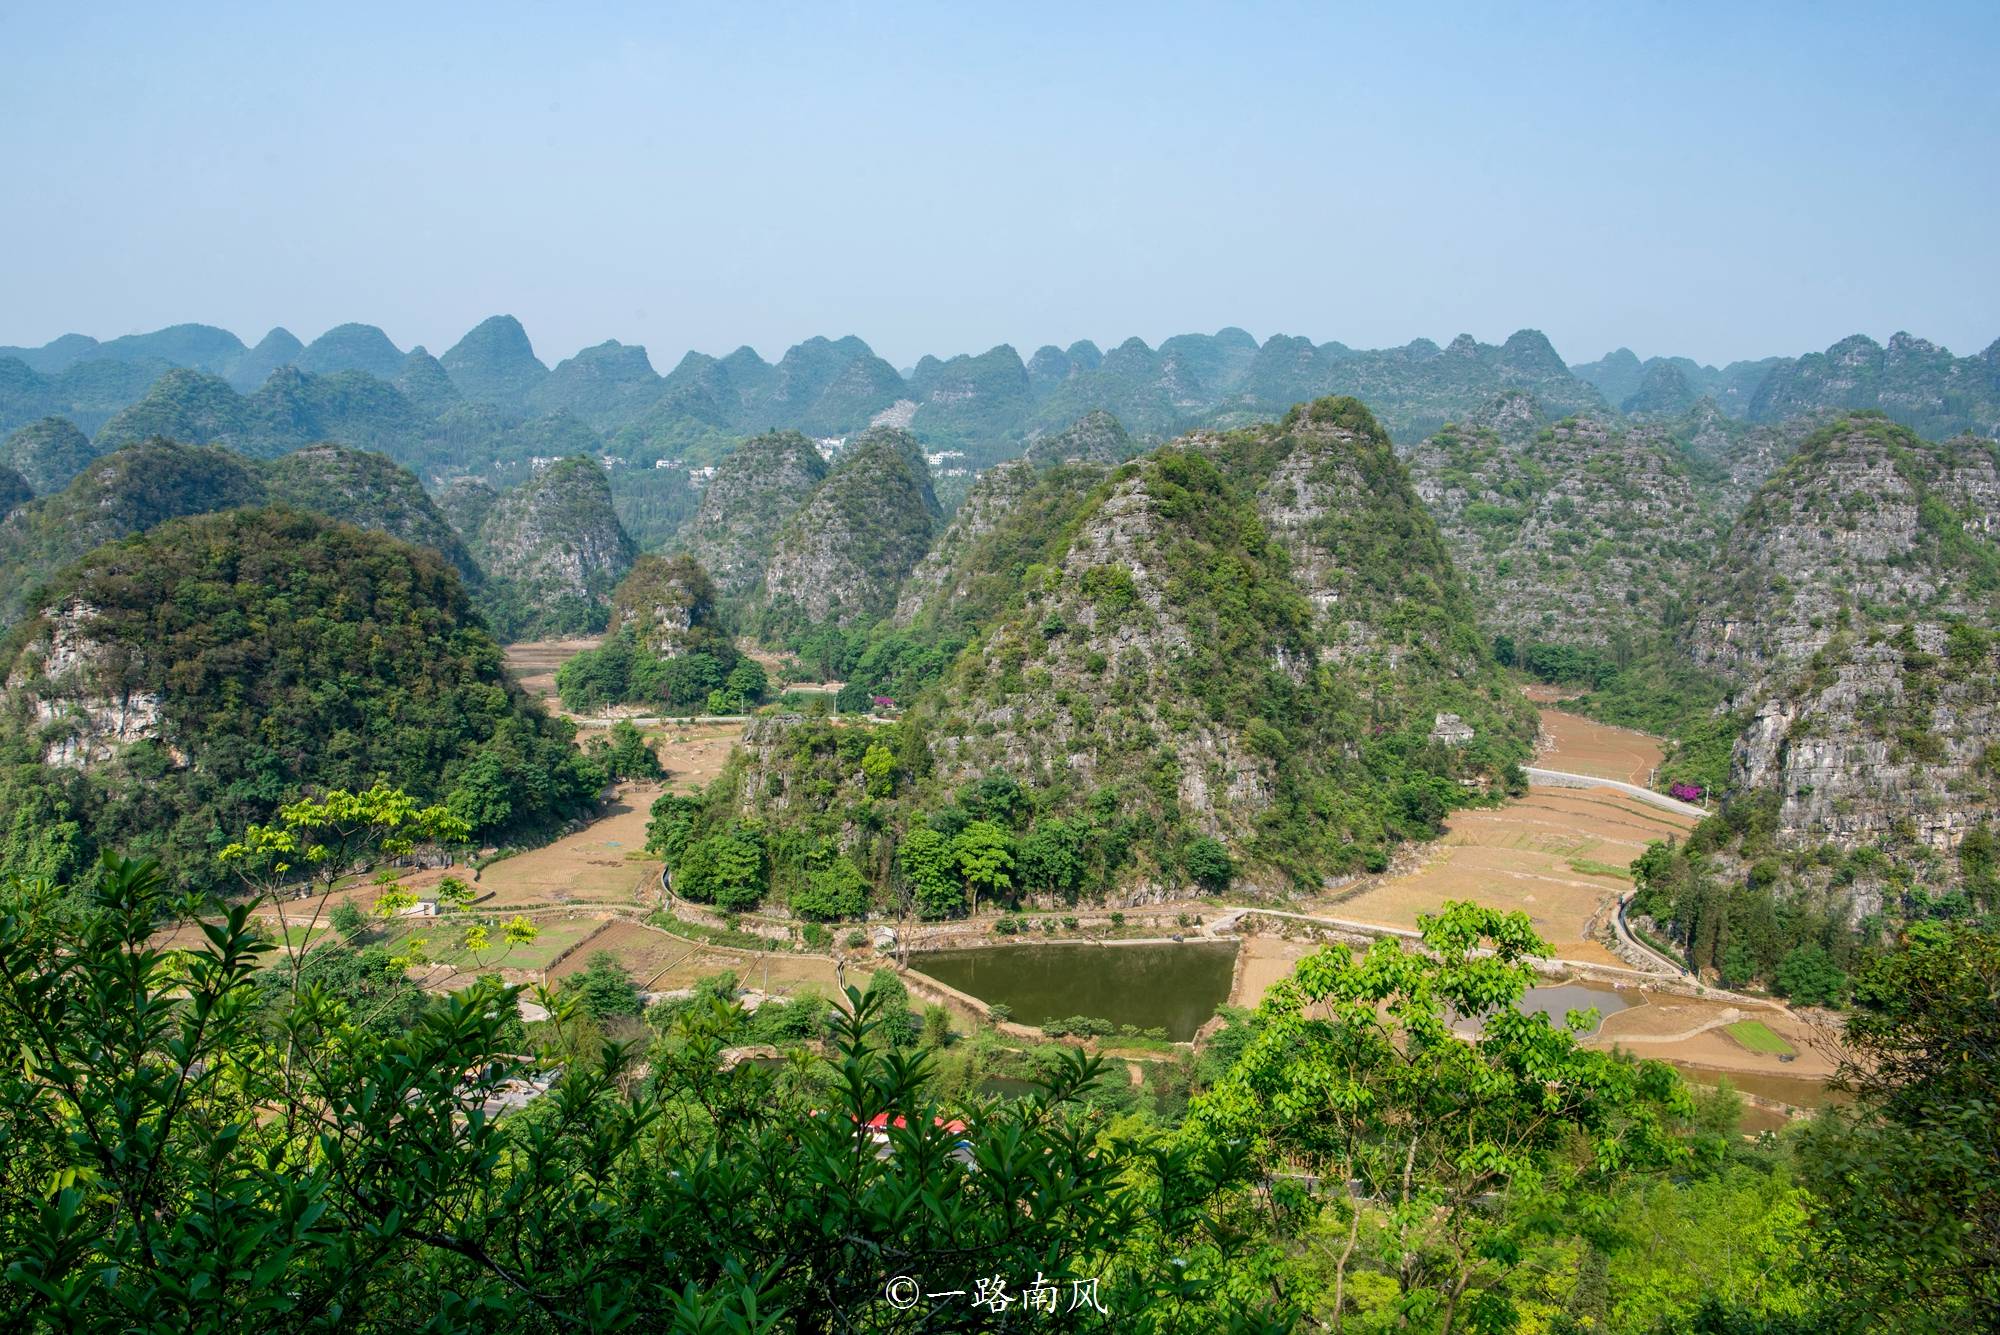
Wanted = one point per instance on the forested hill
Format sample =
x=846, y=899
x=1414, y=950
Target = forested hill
x=139, y=487
x=172, y=688
x=491, y=401
x=1245, y=655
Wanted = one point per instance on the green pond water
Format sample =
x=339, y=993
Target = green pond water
x=1175, y=987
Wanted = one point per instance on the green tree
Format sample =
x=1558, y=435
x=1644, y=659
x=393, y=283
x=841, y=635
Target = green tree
x=926, y=858
x=1808, y=976
x=1906, y=1182
x=603, y=988
x=626, y=754
x=835, y=891
x=1053, y=858
x=984, y=855
x=190, y=1150
x=878, y=768
x=1209, y=864
x=1357, y=1075
x=727, y=868
x=669, y=825
x=348, y=919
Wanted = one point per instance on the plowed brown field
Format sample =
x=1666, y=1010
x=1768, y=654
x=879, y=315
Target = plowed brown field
x=1547, y=853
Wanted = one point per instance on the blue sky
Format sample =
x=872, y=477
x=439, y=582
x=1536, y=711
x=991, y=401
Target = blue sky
x=1721, y=181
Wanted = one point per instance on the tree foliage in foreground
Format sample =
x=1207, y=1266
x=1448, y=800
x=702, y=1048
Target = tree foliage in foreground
x=183, y=1156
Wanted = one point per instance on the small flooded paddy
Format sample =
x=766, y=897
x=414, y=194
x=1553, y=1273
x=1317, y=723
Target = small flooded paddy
x=1176, y=987
x=1558, y=1000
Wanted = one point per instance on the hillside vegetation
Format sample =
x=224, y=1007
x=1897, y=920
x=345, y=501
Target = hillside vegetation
x=180, y=685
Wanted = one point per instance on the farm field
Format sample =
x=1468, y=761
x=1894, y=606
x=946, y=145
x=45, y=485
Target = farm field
x=590, y=866
x=1757, y=1036
x=533, y=664
x=1551, y=854
x=693, y=753
x=644, y=952
x=1584, y=746
x=1697, y=1032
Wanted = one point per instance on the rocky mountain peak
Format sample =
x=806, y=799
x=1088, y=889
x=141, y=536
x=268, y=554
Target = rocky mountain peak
x=1096, y=437
x=755, y=490
x=554, y=550
x=495, y=362
x=668, y=603
x=841, y=558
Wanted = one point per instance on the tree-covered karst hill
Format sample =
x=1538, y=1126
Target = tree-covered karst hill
x=280, y=347
x=141, y=486
x=1096, y=437
x=831, y=386
x=126, y=492
x=201, y=346
x=1912, y=380
x=943, y=577
x=88, y=393
x=290, y=409
x=351, y=347
x=368, y=491
x=175, y=687
x=423, y=381
x=1582, y=534
x=495, y=363
x=465, y=503
x=48, y=453
x=1130, y=383
x=1852, y=620
x=979, y=401
x=840, y=558
x=755, y=490
x=1620, y=375
x=1664, y=392
x=421, y=421
x=1147, y=695
x=14, y=490
x=989, y=404
x=668, y=604
x=1513, y=415
x=1412, y=390
x=553, y=552
x=1364, y=551
x=607, y=385
x=1853, y=613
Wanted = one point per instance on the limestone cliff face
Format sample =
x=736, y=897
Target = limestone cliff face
x=756, y=488
x=1584, y=533
x=1123, y=645
x=669, y=604
x=841, y=558
x=1854, y=615
x=553, y=551
x=1913, y=380
x=86, y=703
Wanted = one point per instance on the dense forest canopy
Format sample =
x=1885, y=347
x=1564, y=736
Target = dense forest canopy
x=181, y=684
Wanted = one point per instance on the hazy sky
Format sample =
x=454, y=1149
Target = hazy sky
x=1721, y=181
